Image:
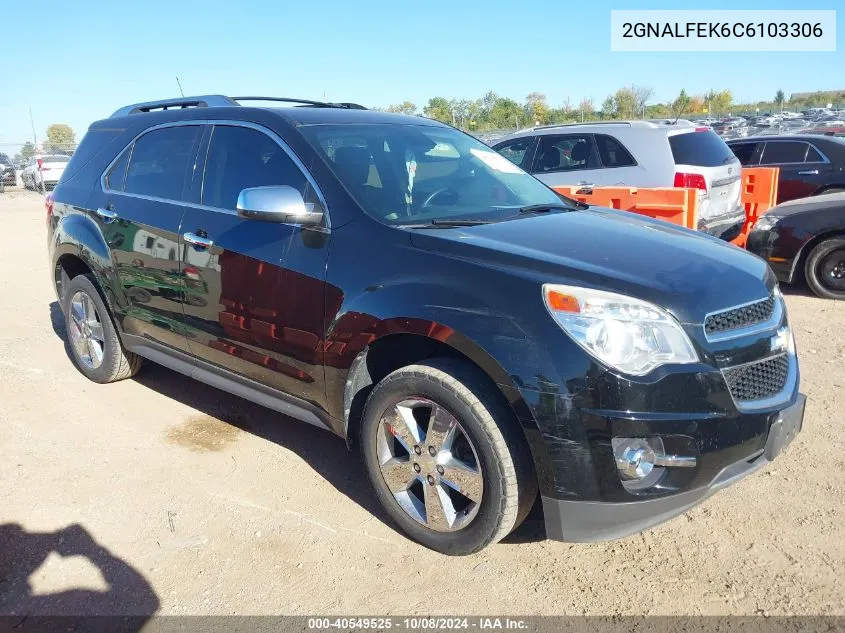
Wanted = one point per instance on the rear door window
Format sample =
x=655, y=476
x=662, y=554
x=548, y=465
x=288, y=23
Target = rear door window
x=702, y=149
x=160, y=161
x=519, y=151
x=612, y=152
x=571, y=152
x=779, y=152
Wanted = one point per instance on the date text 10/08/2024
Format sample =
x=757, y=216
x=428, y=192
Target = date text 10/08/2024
x=418, y=623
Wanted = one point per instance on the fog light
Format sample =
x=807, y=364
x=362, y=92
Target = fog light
x=635, y=457
x=641, y=461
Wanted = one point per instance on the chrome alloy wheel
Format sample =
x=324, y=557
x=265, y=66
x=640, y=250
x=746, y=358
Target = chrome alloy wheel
x=429, y=464
x=86, y=330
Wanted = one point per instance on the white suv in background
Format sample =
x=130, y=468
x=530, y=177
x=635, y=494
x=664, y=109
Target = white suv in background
x=43, y=172
x=637, y=154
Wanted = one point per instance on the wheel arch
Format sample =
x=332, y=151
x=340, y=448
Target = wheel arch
x=79, y=247
x=399, y=349
x=827, y=188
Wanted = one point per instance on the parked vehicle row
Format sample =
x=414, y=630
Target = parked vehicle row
x=484, y=340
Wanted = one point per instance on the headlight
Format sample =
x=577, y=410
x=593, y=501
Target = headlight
x=628, y=334
x=765, y=222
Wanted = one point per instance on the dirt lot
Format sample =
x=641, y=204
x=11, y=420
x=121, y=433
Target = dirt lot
x=162, y=493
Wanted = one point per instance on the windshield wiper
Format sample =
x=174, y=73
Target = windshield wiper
x=445, y=224
x=460, y=222
x=545, y=208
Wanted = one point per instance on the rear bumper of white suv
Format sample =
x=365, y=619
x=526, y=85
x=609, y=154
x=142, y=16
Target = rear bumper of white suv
x=726, y=226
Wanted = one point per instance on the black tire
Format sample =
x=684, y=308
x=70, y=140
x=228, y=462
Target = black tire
x=506, y=466
x=117, y=363
x=819, y=260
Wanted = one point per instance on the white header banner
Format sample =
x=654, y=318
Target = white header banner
x=717, y=30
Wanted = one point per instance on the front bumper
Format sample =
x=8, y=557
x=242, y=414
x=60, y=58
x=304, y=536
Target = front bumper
x=590, y=521
x=780, y=260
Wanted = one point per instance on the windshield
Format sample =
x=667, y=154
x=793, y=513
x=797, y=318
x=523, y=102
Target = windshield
x=413, y=174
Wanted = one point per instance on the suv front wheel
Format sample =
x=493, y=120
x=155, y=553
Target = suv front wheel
x=445, y=456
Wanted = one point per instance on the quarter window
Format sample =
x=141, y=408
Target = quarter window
x=116, y=177
x=612, y=152
x=813, y=155
x=160, y=162
x=239, y=158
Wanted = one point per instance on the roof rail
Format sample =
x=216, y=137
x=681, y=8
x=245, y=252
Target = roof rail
x=308, y=102
x=205, y=101
x=585, y=123
x=219, y=101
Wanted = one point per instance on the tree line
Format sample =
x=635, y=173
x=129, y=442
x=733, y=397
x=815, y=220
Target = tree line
x=61, y=139
x=495, y=112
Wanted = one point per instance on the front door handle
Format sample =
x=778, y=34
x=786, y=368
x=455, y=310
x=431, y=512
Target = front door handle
x=809, y=172
x=197, y=241
x=108, y=215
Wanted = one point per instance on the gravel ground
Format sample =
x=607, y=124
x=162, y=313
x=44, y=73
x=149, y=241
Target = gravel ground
x=160, y=493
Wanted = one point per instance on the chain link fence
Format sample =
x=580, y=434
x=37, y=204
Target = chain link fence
x=33, y=166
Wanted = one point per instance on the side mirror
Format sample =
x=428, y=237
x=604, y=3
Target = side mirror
x=277, y=203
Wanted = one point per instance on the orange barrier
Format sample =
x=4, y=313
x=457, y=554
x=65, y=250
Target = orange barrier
x=671, y=204
x=759, y=194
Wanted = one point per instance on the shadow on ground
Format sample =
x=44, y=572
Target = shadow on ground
x=324, y=452
x=22, y=553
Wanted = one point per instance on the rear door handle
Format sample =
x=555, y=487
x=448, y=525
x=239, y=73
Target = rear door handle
x=108, y=215
x=197, y=240
x=809, y=172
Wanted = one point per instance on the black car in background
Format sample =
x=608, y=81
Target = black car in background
x=805, y=237
x=484, y=341
x=7, y=172
x=809, y=164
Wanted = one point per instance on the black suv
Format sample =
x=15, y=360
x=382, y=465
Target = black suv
x=397, y=282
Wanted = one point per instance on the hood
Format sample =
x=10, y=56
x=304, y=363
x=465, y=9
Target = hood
x=823, y=202
x=685, y=272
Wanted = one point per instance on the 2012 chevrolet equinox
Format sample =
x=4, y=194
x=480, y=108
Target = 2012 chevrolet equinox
x=398, y=283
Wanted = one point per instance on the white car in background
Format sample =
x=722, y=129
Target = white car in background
x=43, y=172
x=637, y=154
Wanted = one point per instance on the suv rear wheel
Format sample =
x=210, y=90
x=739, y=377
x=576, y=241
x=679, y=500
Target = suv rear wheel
x=825, y=269
x=95, y=347
x=445, y=456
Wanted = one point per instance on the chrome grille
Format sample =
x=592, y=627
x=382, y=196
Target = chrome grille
x=736, y=318
x=759, y=380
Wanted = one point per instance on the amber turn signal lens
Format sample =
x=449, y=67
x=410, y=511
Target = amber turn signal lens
x=562, y=303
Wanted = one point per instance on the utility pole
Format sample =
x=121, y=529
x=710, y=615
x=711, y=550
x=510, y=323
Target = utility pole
x=35, y=143
x=32, y=123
